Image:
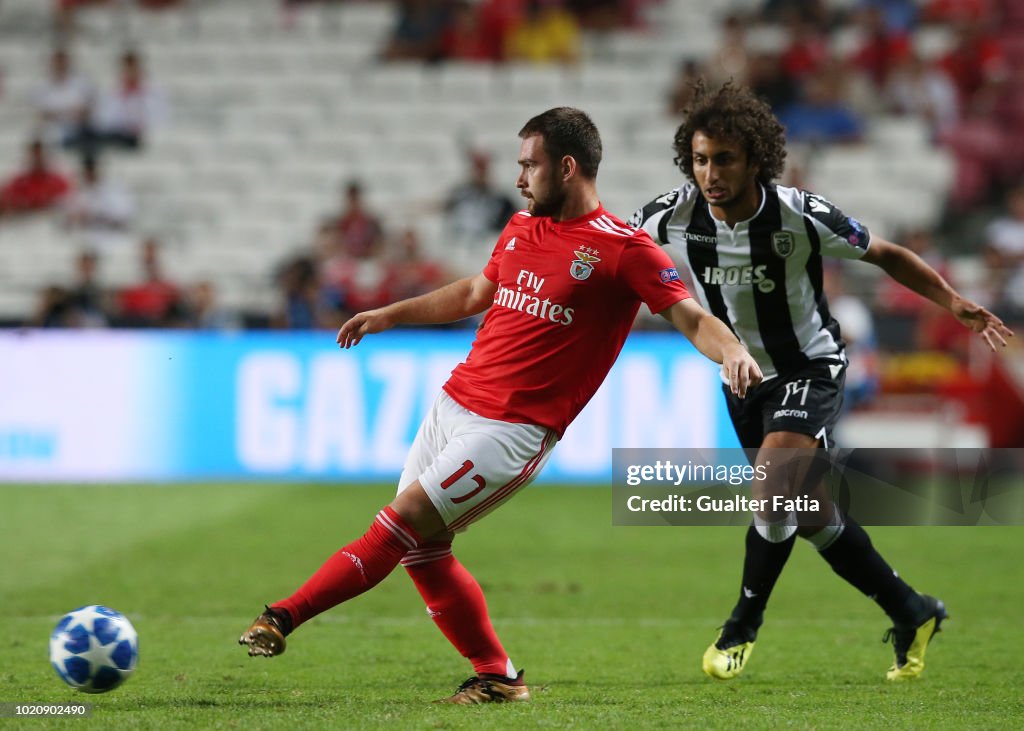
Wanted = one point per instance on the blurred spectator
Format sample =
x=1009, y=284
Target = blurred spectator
x=153, y=302
x=496, y=20
x=986, y=141
x=1011, y=19
x=63, y=101
x=769, y=81
x=419, y=31
x=856, y=325
x=474, y=210
x=360, y=231
x=731, y=59
x=815, y=13
x=83, y=305
x=331, y=264
x=35, y=188
x=806, y=53
x=981, y=149
x=353, y=284
x=823, y=116
x=953, y=11
x=607, y=15
x=123, y=116
x=900, y=16
x=545, y=33
x=464, y=39
x=100, y=211
x=302, y=307
x=54, y=310
x=412, y=273
x=87, y=298
x=205, y=312
x=327, y=242
x=1004, y=241
x=915, y=87
x=882, y=49
x=681, y=92
x=977, y=65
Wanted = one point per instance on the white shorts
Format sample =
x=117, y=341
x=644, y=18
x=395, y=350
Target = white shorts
x=468, y=464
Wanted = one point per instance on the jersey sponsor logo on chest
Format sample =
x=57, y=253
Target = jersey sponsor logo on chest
x=526, y=298
x=702, y=238
x=749, y=274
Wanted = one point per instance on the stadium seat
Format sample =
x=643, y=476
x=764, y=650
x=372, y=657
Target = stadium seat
x=273, y=112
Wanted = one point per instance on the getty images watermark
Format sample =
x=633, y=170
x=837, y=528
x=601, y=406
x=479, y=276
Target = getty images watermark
x=875, y=486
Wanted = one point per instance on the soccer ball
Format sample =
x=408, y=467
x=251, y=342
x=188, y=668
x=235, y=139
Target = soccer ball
x=94, y=649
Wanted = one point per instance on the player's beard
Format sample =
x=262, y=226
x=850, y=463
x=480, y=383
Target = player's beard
x=553, y=201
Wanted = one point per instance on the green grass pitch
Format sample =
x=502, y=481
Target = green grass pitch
x=610, y=623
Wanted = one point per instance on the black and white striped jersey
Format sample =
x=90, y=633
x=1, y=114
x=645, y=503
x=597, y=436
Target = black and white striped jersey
x=763, y=277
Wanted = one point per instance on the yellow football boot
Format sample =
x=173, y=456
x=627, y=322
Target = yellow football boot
x=911, y=643
x=728, y=655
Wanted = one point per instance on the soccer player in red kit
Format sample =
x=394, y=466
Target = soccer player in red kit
x=562, y=288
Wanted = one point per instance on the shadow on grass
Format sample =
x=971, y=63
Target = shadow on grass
x=238, y=703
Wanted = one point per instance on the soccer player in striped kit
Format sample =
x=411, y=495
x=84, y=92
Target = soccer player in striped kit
x=561, y=289
x=754, y=253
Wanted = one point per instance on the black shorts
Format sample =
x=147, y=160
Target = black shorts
x=807, y=401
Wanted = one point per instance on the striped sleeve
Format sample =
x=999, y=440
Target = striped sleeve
x=653, y=217
x=841, y=236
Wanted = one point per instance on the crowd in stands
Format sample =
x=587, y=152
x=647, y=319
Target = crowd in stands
x=492, y=31
x=355, y=265
x=153, y=301
x=971, y=94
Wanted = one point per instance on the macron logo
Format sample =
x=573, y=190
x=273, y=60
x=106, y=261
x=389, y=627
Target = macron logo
x=511, y=245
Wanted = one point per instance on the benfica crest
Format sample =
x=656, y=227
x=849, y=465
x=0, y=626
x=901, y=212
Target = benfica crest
x=783, y=244
x=583, y=267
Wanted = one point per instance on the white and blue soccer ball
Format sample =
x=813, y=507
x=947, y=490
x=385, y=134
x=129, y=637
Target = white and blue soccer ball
x=94, y=649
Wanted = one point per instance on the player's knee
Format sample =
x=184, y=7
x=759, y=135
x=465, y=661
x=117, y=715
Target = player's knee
x=442, y=538
x=418, y=511
x=775, y=531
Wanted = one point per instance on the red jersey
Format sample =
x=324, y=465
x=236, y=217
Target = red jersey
x=33, y=190
x=568, y=293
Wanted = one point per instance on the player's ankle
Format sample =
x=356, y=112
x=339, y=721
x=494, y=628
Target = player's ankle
x=912, y=612
x=742, y=628
x=283, y=618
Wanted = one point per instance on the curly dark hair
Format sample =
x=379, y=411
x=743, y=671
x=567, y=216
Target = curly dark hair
x=733, y=113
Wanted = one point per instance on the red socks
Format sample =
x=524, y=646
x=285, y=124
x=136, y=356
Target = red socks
x=453, y=597
x=456, y=604
x=357, y=567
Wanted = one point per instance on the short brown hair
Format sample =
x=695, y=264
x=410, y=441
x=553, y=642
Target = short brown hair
x=568, y=131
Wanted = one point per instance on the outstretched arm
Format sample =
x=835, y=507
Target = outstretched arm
x=712, y=338
x=466, y=297
x=913, y=272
